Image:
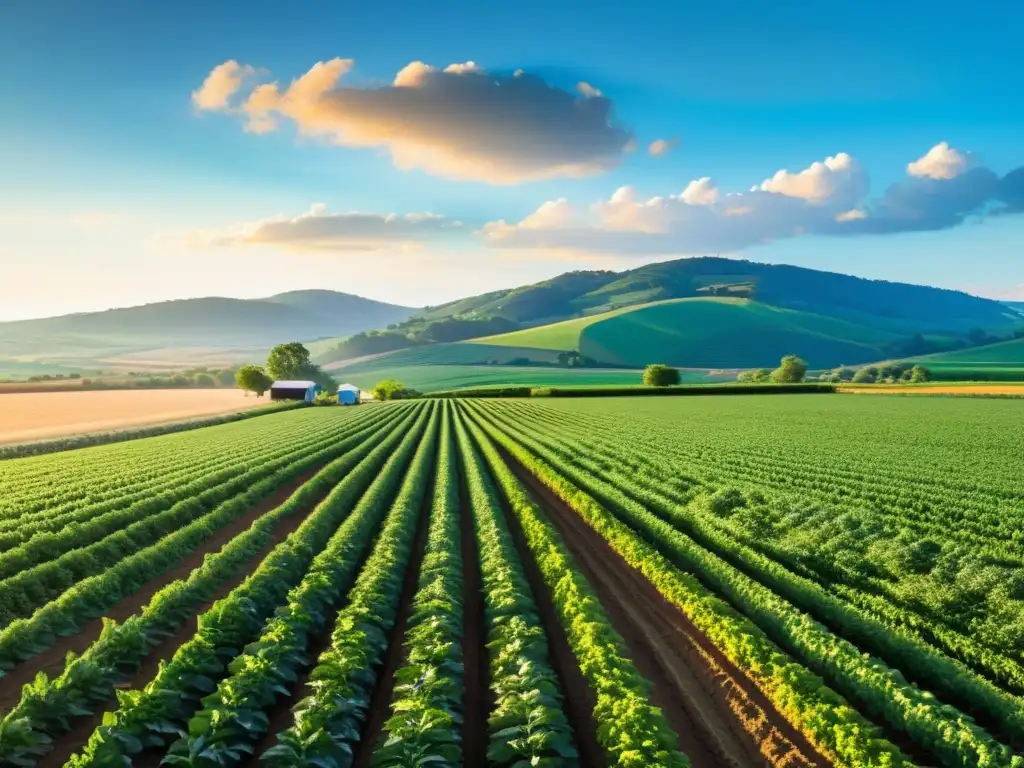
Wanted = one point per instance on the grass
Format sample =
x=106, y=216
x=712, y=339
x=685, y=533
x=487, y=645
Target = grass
x=430, y=378
x=706, y=333
x=993, y=362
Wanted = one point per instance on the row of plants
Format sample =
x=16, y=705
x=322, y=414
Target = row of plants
x=92, y=597
x=48, y=707
x=427, y=706
x=882, y=631
x=330, y=721
x=22, y=593
x=629, y=728
x=234, y=717
x=47, y=482
x=944, y=731
x=527, y=724
x=55, y=534
x=148, y=717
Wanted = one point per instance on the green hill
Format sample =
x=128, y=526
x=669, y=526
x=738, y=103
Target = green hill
x=195, y=323
x=706, y=333
x=993, y=362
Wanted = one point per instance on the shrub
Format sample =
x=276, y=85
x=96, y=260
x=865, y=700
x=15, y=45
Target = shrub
x=791, y=370
x=658, y=375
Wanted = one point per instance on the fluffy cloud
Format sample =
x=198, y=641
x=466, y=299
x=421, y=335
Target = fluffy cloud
x=459, y=122
x=319, y=230
x=221, y=85
x=660, y=147
x=826, y=198
x=940, y=162
x=824, y=182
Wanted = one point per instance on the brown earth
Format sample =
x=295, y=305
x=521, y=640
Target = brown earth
x=31, y=416
x=721, y=717
x=477, y=699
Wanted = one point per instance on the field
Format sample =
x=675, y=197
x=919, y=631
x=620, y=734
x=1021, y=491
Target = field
x=718, y=581
x=994, y=362
x=937, y=388
x=39, y=415
x=706, y=333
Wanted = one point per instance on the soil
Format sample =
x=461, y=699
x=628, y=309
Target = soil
x=53, y=660
x=720, y=716
x=477, y=699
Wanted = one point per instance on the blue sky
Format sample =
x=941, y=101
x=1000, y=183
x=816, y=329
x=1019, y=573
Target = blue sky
x=120, y=187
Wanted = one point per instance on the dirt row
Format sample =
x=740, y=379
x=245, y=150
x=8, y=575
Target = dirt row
x=719, y=714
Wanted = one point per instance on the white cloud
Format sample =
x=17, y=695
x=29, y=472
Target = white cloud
x=854, y=214
x=459, y=122
x=821, y=181
x=939, y=162
x=660, y=147
x=220, y=85
x=701, y=192
x=319, y=230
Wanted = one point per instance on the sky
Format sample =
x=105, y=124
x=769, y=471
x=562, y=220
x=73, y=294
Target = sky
x=419, y=152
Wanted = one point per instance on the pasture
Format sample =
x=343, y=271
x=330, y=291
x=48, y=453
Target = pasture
x=801, y=581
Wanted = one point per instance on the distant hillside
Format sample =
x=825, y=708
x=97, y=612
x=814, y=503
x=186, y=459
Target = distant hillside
x=196, y=323
x=1016, y=306
x=898, y=306
x=706, y=333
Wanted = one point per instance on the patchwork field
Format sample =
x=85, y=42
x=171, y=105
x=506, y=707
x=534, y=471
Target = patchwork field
x=715, y=581
x=994, y=362
x=30, y=416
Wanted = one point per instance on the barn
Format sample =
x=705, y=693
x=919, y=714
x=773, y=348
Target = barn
x=294, y=390
x=348, y=394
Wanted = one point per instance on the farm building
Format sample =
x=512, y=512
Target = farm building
x=294, y=390
x=348, y=394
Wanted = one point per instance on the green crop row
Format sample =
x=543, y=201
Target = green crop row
x=46, y=707
x=234, y=717
x=93, y=596
x=528, y=725
x=30, y=586
x=601, y=475
x=427, y=703
x=329, y=722
x=633, y=732
x=952, y=737
x=147, y=717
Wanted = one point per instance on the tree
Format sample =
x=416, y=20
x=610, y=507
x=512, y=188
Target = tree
x=919, y=374
x=287, y=361
x=252, y=378
x=867, y=375
x=205, y=380
x=756, y=376
x=846, y=373
x=392, y=389
x=790, y=371
x=226, y=377
x=658, y=375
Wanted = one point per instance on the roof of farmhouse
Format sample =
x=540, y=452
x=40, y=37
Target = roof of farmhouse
x=348, y=388
x=293, y=384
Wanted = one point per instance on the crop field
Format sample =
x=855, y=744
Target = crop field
x=26, y=416
x=718, y=581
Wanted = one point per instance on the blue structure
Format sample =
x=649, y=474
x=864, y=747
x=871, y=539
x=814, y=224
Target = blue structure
x=294, y=390
x=348, y=394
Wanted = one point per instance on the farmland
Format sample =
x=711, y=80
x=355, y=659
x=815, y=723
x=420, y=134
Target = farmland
x=28, y=416
x=713, y=581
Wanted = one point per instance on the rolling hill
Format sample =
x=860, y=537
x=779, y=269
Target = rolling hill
x=204, y=327
x=706, y=333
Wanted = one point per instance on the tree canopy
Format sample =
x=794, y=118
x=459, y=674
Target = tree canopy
x=658, y=375
x=790, y=371
x=252, y=378
x=291, y=361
